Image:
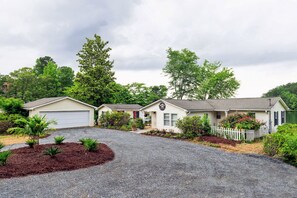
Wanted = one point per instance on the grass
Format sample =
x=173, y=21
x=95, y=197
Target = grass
x=12, y=139
x=251, y=148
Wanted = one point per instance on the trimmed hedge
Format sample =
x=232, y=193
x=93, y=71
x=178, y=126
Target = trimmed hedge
x=283, y=143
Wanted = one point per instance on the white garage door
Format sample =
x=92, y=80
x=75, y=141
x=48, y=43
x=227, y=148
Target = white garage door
x=67, y=119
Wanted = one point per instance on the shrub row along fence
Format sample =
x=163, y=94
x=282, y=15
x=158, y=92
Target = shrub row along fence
x=228, y=133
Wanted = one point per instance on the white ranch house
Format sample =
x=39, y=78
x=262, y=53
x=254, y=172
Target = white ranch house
x=165, y=112
x=132, y=109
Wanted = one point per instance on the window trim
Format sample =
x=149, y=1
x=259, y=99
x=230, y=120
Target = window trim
x=283, y=117
x=172, y=120
x=276, y=119
x=166, y=119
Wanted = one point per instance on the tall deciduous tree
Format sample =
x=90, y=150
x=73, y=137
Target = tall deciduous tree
x=181, y=68
x=91, y=83
x=41, y=63
x=214, y=82
x=190, y=80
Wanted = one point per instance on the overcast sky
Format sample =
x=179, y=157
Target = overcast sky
x=257, y=38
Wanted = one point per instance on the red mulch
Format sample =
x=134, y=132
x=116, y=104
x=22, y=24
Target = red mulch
x=218, y=140
x=31, y=161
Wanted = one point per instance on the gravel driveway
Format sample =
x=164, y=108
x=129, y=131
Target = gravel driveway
x=156, y=167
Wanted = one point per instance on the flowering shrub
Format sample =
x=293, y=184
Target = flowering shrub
x=241, y=121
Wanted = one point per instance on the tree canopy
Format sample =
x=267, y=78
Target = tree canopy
x=189, y=79
x=287, y=92
x=41, y=81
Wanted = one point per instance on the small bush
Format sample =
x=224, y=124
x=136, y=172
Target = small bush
x=3, y=157
x=59, y=139
x=273, y=143
x=83, y=140
x=241, y=121
x=125, y=128
x=1, y=145
x=90, y=144
x=289, y=149
x=194, y=125
x=114, y=120
x=31, y=142
x=139, y=123
x=52, y=151
x=287, y=129
x=12, y=106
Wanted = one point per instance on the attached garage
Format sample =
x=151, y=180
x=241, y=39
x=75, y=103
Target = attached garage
x=66, y=111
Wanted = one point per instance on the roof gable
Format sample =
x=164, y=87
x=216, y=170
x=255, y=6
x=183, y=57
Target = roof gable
x=47, y=101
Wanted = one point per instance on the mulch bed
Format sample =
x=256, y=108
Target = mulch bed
x=31, y=161
x=218, y=140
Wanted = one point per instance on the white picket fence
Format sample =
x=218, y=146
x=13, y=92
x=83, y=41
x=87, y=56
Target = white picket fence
x=228, y=133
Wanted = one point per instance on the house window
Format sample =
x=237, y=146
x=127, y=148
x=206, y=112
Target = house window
x=275, y=118
x=219, y=115
x=283, y=117
x=166, y=119
x=173, y=119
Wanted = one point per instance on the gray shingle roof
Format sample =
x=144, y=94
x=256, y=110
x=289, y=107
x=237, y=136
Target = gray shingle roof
x=44, y=101
x=225, y=104
x=41, y=102
x=190, y=105
x=244, y=103
x=123, y=107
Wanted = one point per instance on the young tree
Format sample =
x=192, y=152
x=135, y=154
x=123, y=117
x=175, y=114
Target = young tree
x=181, y=68
x=214, y=82
x=91, y=83
x=206, y=81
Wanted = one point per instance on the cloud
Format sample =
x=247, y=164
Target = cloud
x=245, y=35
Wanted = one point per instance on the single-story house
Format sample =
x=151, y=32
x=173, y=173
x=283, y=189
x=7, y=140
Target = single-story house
x=132, y=109
x=165, y=112
x=66, y=111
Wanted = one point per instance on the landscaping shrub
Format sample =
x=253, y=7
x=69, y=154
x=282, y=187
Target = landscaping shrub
x=125, y=128
x=34, y=127
x=289, y=149
x=31, y=142
x=114, y=120
x=283, y=143
x=241, y=121
x=83, y=140
x=90, y=144
x=3, y=157
x=139, y=123
x=273, y=143
x=194, y=125
x=59, y=139
x=52, y=151
x=287, y=128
